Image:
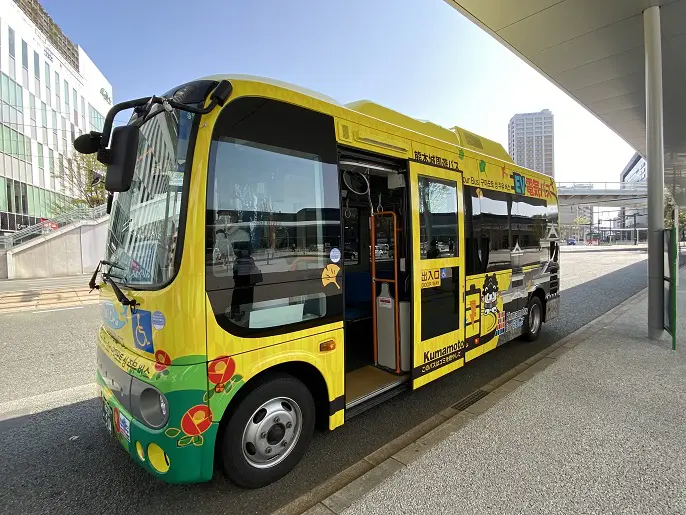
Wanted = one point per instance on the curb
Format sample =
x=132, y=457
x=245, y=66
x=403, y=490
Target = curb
x=339, y=492
x=609, y=249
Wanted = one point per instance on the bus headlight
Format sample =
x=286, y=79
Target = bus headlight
x=153, y=407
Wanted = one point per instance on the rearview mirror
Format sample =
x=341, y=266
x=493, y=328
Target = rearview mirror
x=122, y=158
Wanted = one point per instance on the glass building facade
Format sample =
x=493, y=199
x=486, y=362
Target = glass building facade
x=44, y=104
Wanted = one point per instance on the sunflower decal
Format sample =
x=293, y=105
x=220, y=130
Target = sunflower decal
x=221, y=374
x=194, y=423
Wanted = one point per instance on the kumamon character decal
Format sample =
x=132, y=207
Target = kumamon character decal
x=490, y=294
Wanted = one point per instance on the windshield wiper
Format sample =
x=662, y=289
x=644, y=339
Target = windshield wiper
x=108, y=279
x=123, y=299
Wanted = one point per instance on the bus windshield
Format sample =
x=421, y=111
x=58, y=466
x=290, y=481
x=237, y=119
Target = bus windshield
x=144, y=224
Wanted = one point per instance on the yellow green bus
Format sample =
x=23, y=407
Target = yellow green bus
x=278, y=262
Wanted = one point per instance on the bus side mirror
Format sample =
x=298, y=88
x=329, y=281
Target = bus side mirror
x=122, y=158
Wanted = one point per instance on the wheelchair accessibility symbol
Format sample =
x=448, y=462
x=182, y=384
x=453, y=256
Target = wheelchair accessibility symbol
x=142, y=331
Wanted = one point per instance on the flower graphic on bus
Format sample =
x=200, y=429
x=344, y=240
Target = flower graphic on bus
x=194, y=423
x=221, y=373
x=162, y=362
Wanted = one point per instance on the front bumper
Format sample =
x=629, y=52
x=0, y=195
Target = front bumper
x=183, y=450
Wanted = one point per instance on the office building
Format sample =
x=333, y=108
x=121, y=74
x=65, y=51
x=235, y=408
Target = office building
x=568, y=214
x=531, y=141
x=635, y=171
x=51, y=92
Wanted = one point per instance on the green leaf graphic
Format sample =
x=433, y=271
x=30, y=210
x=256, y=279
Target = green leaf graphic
x=184, y=441
x=172, y=432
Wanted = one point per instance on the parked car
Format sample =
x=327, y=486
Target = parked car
x=571, y=241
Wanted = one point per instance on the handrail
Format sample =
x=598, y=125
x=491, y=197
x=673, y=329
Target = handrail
x=28, y=233
x=632, y=186
x=394, y=281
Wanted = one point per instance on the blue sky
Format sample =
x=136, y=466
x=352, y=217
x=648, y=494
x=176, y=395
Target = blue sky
x=420, y=57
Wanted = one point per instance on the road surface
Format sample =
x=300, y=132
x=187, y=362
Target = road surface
x=57, y=457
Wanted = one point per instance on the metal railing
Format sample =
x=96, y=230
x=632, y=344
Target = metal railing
x=28, y=233
x=628, y=186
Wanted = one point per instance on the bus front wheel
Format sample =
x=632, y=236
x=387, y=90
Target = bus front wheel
x=534, y=319
x=268, y=431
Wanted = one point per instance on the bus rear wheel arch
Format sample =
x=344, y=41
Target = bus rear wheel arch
x=268, y=430
x=535, y=314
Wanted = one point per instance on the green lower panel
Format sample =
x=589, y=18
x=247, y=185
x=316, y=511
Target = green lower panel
x=183, y=451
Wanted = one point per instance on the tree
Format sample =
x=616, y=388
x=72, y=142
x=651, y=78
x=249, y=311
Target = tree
x=669, y=213
x=579, y=221
x=270, y=227
x=81, y=177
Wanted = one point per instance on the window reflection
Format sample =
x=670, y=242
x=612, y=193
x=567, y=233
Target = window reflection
x=272, y=213
x=437, y=218
x=505, y=230
x=270, y=203
x=385, y=239
x=351, y=236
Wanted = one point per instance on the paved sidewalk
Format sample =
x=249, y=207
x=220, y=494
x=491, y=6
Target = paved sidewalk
x=641, y=247
x=44, y=283
x=44, y=294
x=597, y=426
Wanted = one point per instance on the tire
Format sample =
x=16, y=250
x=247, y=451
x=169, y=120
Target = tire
x=278, y=409
x=534, y=319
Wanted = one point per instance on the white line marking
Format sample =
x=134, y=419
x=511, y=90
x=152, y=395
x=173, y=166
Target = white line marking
x=57, y=309
x=48, y=400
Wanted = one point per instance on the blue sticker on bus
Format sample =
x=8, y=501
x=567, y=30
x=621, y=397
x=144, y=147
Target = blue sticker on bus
x=113, y=317
x=158, y=320
x=444, y=274
x=141, y=325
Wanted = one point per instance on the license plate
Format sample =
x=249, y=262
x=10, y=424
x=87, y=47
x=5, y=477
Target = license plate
x=107, y=415
x=124, y=427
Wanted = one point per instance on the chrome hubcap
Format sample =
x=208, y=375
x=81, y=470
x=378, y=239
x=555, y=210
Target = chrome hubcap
x=272, y=432
x=534, y=318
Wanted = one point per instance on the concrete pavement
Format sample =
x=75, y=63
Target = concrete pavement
x=595, y=426
x=641, y=247
x=45, y=294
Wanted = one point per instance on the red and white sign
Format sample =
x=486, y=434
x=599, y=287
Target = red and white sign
x=48, y=224
x=385, y=302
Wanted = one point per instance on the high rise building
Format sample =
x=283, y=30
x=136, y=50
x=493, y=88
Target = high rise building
x=50, y=93
x=531, y=139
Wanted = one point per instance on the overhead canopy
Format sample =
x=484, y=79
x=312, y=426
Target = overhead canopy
x=593, y=50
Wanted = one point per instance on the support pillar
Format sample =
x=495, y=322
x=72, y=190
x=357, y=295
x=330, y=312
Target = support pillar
x=655, y=158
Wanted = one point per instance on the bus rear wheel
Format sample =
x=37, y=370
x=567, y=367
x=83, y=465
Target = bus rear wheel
x=534, y=319
x=268, y=432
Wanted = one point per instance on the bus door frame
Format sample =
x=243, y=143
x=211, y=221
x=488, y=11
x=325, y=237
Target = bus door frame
x=439, y=355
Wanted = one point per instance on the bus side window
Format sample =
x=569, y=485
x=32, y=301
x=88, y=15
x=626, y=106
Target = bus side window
x=273, y=218
x=529, y=226
x=495, y=229
x=476, y=254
